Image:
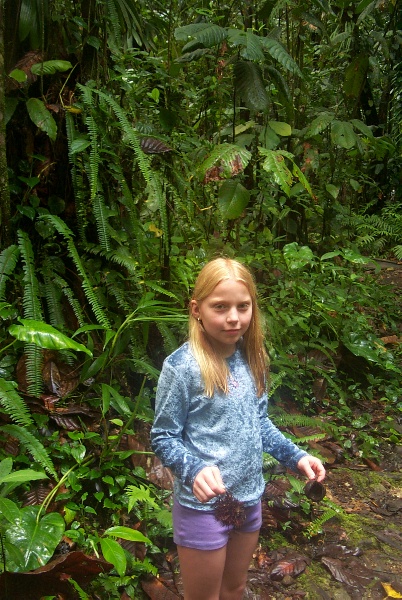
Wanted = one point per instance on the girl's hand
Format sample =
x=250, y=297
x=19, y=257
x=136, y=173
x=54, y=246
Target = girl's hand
x=312, y=467
x=208, y=484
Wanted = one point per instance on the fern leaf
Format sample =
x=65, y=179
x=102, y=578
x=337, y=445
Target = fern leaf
x=8, y=260
x=32, y=310
x=75, y=305
x=94, y=159
x=169, y=339
x=101, y=214
x=90, y=293
x=32, y=307
x=13, y=404
x=33, y=446
x=250, y=86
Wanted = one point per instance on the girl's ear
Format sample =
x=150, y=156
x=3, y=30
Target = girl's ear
x=195, y=311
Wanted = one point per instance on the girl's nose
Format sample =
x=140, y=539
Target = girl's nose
x=233, y=315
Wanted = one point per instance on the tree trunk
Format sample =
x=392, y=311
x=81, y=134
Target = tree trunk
x=4, y=187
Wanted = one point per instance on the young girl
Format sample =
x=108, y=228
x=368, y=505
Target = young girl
x=211, y=428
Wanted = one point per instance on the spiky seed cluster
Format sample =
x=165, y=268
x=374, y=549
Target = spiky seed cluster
x=230, y=511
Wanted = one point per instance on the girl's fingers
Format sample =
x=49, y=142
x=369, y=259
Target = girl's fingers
x=208, y=484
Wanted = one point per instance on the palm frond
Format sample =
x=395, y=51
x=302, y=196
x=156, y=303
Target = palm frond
x=207, y=34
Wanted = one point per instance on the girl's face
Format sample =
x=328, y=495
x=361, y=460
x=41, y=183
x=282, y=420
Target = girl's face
x=225, y=314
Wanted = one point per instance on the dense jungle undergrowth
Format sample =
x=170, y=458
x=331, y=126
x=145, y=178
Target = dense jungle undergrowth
x=138, y=140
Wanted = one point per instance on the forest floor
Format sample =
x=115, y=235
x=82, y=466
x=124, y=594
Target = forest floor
x=355, y=555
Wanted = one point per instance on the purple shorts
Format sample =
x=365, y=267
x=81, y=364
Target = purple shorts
x=200, y=530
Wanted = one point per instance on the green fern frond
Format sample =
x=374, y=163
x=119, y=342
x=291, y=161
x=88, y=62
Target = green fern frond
x=8, y=260
x=53, y=297
x=397, y=250
x=34, y=362
x=77, y=177
x=250, y=86
x=75, y=305
x=101, y=214
x=94, y=159
x=143, y=366
x=283, y=419
x=123, y=257
x=114, y=23
x=90, y=293
x=32, y=310
x=120, y=295
x=169, y=339
x=13, y=404
x=33, y=446
x=157, y=288
x=31, y=303
x=129, y=132
x=315, y=527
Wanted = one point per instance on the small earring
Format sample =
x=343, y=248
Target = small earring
x=198, y=319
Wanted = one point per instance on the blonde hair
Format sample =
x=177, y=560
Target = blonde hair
x=214, y=370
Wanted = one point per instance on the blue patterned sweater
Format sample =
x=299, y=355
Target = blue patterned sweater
x=192, y=431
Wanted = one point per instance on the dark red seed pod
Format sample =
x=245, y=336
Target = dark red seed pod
x=230, y=511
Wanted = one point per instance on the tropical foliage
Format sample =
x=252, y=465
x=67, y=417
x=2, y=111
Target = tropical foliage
x=142, y=139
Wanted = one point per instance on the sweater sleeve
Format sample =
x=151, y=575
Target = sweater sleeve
x=274, y=442
x=171, y=410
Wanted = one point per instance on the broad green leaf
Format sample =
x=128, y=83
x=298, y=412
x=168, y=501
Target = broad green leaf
x=362, y=127
x=355, y=75
x=10, y=106
x=233, y=198
x=9, y=510
x=42, y=118
x=126, y=533
x=45, y=336
x=342, y=134
x=296, y=256
x=79, y=144
x=355, y=257
x=280, y=127
x=5, y=467
x=114, y=553
x=18, y=75
x=22, y=476
x=37, y=540
x=320, y=123
x=50, y=67
x=368, y=347
x=328, y=255
x=333, y=190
